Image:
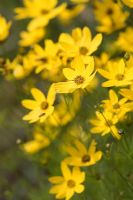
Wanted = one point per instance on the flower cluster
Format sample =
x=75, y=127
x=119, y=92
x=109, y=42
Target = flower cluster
x=69, y=70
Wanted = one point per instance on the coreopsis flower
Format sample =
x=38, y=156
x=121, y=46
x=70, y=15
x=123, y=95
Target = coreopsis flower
x=30, y=37
x=79, y=76
x=4, y=28
x=128, y=3
x=81, y=156
x=70, y=12
x=80, y=43
x=114, y=105
x=125, y=40
x=117, y=73
x=41, y=11
x=41, y=107
x=67, y=184
x=39, y=142
x=107, y=12
x=105, y=123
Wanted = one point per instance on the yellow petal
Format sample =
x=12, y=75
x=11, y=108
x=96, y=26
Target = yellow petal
x=30, y=104
x=38, y=95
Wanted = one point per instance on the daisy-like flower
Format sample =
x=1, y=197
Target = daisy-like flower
x=41, y=11
x=105, y=123
x=107, y=12
x=4, y=28
x=68, y=184
x=78, y=77
x=80, y=43
x=80, y=156
x=117, y=74
x=113, y=104
x=41, y=107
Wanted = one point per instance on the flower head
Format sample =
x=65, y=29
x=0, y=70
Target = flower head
x=117, y=74
x=69, y=183
x=80, y=156
x=41, y=107
x=78, y=77
x=4, y=28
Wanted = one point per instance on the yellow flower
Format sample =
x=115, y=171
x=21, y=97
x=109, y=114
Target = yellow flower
x=80, y=156
x=4, y=28
x=80, y=43
x=105, y=123
x=31, y=37
x=117, y=74
x=127, y=93
x=114, y=105
x=41, y=107
x=107, y=13
x=128, y=3
x=125, y=40
x=70, y=12
x=41, y=11
x=39, y=142
x=78, y=77
x=68, y=184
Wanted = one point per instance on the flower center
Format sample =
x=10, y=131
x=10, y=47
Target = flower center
x=79, y=80
x=116, y=106
x=83, y=50
x=120, y=77
x=71, y=183
x=109, y=11
x=44, y=105
x=44, y=11
x=86, y=158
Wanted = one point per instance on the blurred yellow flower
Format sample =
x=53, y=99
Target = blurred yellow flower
x=69, y=183
x=128, y=93
x=117, y=74
x=30, y=37
x=104, y=123
x=107, y=13
x=80, y=43
x=125, y=40
x=41, y=11
x=70, y=12
x=39, y=142
x=4, y=28
x=41, y=107
x=78, y=77
x=128, y=3
x=80, y=156
x=79, y=1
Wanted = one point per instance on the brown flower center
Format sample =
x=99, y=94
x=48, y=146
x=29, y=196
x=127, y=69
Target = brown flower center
x=120, y=77
x=71, y=183
x=83, y=50
x=110, y=11
x=79, y=80
x=116, y=106
x=44, y=105
x=86, y=158
x=44, y=11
